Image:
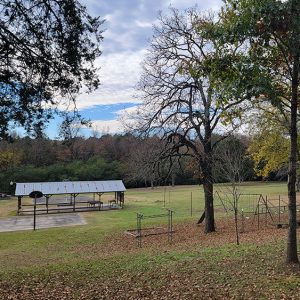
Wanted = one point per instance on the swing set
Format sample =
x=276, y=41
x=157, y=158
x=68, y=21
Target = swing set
x=258, y=206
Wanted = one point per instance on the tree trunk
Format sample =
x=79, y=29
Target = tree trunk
x=209, y=205
x=298, y=184
x=236, y=226
x=292, y=255
x=206, y=167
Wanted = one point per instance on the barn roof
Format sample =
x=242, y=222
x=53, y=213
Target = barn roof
x=70, y=187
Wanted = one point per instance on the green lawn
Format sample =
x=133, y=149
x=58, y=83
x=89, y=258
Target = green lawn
x=98, y=261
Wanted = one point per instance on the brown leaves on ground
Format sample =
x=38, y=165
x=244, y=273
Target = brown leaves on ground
x=194, y=266
x=187, y=237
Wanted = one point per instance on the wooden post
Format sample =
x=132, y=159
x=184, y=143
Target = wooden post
x=74, y=198
x=191, y=204
x=170, y=225
x=267, y=210
x=122, y=199
x=47, y=199
x=279, y=210
x=139, y=229
x=243, y=221
x=19, y=204
x=258, y=212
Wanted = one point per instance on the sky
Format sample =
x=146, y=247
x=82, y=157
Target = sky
x=128, y=30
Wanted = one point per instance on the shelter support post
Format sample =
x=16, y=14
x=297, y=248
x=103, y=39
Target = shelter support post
x=121, y=199
x=74, y=201
x=19, y=204
x=47, y=204
x=100, y=202
x=117, y=197
x=99, y=196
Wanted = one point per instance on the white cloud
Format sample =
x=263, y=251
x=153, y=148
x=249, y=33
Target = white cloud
x=121, y=68
x=125, y=41
x=127, y=111
x=119, y=75
x=108, y=126
x=128, y=26
x=116, y=125
x=143, y=24
x=202, y=4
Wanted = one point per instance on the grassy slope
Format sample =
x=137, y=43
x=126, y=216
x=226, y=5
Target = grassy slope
x=52, y=262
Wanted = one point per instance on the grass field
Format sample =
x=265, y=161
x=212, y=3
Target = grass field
x=98, y=261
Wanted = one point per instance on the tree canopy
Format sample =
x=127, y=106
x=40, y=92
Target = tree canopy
x=270, y=33
x=270, y=144
x=47, y=54
x=182, y=101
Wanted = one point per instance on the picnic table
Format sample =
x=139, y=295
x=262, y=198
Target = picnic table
x=92, y=203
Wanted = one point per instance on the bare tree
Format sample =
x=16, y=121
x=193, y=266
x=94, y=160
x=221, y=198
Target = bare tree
x=232, y=165
x=180, y=100
x=69, y=131
x=143, y=161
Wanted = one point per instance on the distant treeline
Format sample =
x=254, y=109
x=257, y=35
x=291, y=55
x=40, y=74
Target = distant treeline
x=95, y=158
x=132, y=159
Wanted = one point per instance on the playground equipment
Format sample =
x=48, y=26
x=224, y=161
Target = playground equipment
x=272, y=210
x=140, y=232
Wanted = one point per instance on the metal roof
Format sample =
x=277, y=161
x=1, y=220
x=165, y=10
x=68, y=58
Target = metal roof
x=70, y=187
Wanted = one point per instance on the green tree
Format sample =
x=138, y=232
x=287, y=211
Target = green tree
x=270, y=32
x=270, y=144
x=9, y=159
x=47, y=53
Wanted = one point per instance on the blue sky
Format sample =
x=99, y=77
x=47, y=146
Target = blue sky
x=128, y=29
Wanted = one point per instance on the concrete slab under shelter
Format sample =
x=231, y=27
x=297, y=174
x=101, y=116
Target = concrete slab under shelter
x=42, y=221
